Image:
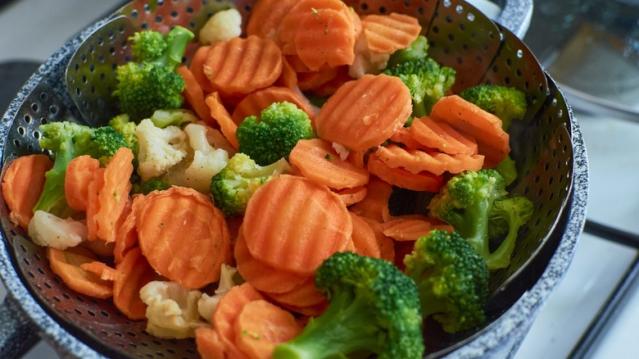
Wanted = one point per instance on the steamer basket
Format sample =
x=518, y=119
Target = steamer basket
x=78, y=81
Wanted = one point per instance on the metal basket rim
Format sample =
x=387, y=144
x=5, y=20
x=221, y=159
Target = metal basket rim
x=507, y=327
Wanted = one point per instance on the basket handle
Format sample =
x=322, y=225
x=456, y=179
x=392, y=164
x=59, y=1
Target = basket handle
x=17, y=334
x=516, y=16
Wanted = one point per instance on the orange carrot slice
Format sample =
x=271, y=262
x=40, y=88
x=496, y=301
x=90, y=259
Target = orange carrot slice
x=100, y=269
x=218, y=140
x=197, y=68
x=321, y=227
x=93, y=203
x=317, y=160
x=441, y=136
x=66, y=265
x=114, y=195
x=415, y=161
x=76, y=181
x=166, y=219
x=241, y=66
x=358, y=158
x=410, y=228
x=261, y=326
x=101, y=249
x=304, y=295
x=223, y=118
x=375, y=205
x=364, y=238
x=350, y=117
x=399, y=177
x=314, y=79
x=266, y=17
x=22, y=184
x=472, y=121
x=386, y=34
x=405, y=137
x=288, y=77
x=194, y=95
x=126, y=236
x=386, y=244
x=209, y=344
x=226, y=313
x=133, y=273
x=329, y=88
x=253, y=104
x=297, y=64
x=262, y=276
x=352, y=195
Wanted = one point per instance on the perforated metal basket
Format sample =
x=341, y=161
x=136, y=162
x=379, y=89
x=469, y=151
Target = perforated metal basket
x=547, y=146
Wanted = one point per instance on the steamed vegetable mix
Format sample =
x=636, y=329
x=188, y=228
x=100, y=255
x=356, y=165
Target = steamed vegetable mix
x=223, y=159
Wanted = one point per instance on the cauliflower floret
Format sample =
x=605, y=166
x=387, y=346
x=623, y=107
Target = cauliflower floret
x=48, y=230
x=366, y=61
x=171, y=310
x=207, y=162
x=207, y=303
x=342, y=151
x=222, y=26
x=159, y=149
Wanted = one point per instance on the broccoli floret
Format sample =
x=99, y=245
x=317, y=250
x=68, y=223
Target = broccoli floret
x=275, y=134
x=235, y=184
x=508, y=170
x=507, y=103
x=373, y=308
x=154, y=184
x=126, y=128
x=417, y=50
x=166, y=118
x=426, y=80
x=151, y=83
x=105, y=143
x=507, y=216
x=452, y=280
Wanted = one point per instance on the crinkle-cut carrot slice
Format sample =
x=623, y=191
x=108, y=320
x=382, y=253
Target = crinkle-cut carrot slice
x=209, y=344
x=386, y=244
x=266, y=17
x=262, y=276
x=223, y=118
x=226, y=313
x=93, y=203
x=364, y=238
x=288, y=78
x=100, y=269
x=386, y=34
x=261, y=326
x=352, y=196
x=375, y=205
x=292, y=23
x=317, y=160
x=133, y=273
x=327, y=39
x=313, y=79
x=358, y=158
x=253, y=104
x=410, y=228
x=76, y=181
x=22, y=184
x=304, y=295
x=297, y=64
x=364, y=113
x=424, y=182
x=194, y=95
x=329, y=88
x=101, y=249
x=471, y=120
x=404, y=137
x=243, y=65
x=293, y=224
x=416, y=161
x=66, y=265
x=114, y=195
x=218, y=140
x=197, y=68
x=441, y=136
x=183, y=236
x=126, y=235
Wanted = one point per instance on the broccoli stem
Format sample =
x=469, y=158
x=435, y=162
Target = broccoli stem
x=419, y=109
x=177, y=41
x=500, y=258
x=344, y=328
x=52, y=199
x=478, y=235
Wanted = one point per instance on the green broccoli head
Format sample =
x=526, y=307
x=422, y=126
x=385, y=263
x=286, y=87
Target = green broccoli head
x=452, y=279
x=507, y=103
x=154, y=184
x=126, y=128
x=235, y=184
x=105, y=142
x=275, y=134
x=416, y=51
x=166, y=118
x=150, y=82
x=373, y=308
x=508, y=170
x=506, y=217
x=426, y=80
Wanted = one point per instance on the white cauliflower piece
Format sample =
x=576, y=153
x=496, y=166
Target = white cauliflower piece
x=366, y=61
x=342, y=151
x=159, y=149
x=171, y=310
x=207, y=303
x=223, y=25
x=206, y=163
x=48, y=230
